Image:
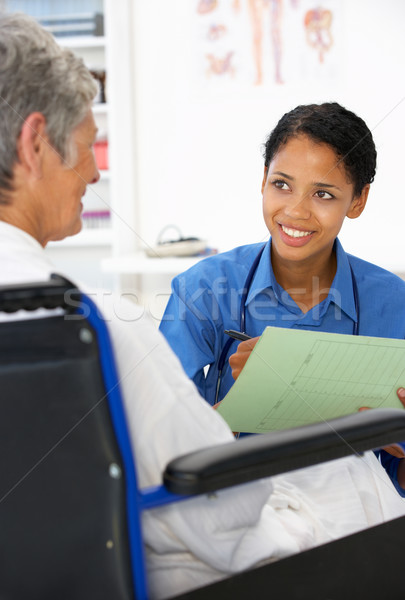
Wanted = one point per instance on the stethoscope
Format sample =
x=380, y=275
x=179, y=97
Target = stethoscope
x=242, y=312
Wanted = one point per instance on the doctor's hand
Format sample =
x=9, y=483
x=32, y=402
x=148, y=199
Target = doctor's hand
x=394, y=449
x=238, y=360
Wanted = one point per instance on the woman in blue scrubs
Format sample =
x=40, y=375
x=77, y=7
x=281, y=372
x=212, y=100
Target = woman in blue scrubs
x=319, y=162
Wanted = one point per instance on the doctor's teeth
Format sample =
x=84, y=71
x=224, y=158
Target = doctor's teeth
x=295, y=232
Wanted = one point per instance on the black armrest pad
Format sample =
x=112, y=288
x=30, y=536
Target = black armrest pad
x=58, y=292
x=273, y=453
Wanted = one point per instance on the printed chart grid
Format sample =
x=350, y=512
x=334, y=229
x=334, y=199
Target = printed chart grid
x=360, y=382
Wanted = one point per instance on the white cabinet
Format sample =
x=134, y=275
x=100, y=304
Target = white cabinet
x=147, y=281
x=79, y=256
x=109, y=215
x=98, y=201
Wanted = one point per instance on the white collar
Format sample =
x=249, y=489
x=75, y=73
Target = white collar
x=11, y=233
x=22, y=257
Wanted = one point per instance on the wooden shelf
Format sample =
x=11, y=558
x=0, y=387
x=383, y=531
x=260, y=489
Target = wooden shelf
x=100, y=108
x=82, y=41
x=87, y=237
x=139, y=264
x=104, y=174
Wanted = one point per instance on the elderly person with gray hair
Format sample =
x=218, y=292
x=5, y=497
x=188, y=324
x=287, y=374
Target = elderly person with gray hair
x=47, y=132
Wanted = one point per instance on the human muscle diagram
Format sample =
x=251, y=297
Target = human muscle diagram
x=265, y=42
x=318, y=25
x=218, y=65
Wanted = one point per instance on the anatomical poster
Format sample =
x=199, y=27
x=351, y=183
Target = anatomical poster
x=263, y=43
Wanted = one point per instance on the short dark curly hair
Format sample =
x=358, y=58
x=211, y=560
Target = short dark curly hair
x=332, y=124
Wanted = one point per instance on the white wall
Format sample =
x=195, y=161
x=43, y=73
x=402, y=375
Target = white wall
x=199, y=142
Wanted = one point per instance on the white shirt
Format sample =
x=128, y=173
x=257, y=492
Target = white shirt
x=205, y=539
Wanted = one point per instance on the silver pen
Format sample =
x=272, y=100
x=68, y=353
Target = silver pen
x=237, y=335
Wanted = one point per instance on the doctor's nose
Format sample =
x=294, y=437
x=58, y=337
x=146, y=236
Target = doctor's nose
x=298, y=207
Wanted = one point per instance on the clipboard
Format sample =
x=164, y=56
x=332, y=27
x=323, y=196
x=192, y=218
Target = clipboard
x=295, y=377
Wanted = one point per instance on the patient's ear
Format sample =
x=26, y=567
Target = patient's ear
x=31, y=143
x=358, y=203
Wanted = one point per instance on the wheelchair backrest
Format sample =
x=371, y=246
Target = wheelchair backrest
x=62, y=485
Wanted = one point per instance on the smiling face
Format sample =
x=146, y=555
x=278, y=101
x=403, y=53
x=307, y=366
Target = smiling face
x=306, y=196
x=65, y=183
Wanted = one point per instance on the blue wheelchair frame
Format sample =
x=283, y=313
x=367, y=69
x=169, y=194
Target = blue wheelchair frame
x=138, y=500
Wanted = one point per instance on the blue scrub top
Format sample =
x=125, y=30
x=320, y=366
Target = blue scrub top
x=205, y=301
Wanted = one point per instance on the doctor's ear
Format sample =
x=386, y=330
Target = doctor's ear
x=31, y=143
x=266, y=170
x=358, y=203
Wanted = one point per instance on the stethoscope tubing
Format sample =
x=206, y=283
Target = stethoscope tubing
x=242, y=310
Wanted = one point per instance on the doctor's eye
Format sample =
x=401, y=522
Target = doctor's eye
x=323, y=195
x=280, y=184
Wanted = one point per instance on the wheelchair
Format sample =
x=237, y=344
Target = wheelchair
x=70, y=505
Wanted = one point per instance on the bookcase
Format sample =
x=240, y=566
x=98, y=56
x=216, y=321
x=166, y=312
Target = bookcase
x=109, y=215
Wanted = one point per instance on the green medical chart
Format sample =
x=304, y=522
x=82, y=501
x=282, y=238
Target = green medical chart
x=296, y=377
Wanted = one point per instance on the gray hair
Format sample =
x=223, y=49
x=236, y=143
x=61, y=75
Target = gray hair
x=36, y=74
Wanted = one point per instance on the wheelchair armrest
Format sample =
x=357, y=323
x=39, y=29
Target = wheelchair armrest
x=58, y=292
x=268, y=454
